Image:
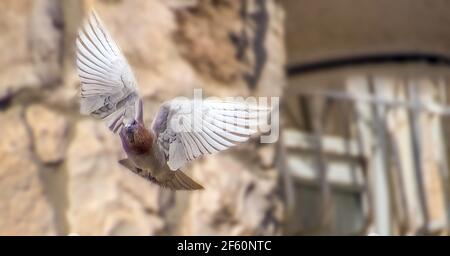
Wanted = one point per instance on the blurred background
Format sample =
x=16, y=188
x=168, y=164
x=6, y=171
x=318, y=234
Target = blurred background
x=364, y=117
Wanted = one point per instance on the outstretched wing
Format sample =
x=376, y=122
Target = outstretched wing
x=186, y=130
x=108, y=87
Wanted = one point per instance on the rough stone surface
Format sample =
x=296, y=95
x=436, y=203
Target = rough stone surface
x=105, y=198
x=45, y=40
x=238, y=200
x=49, y=130
x=202, y=29
x=24, y=208
x=31, y=39
x=266, y=156
x=63, y=167
x=251, y=44
x=16, y=62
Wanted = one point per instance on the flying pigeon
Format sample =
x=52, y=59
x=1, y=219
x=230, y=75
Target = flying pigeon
x=183, y=130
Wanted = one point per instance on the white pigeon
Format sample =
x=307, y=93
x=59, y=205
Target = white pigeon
x=183, y=130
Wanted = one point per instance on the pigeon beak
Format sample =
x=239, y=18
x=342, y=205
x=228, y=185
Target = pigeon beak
x=129, y=131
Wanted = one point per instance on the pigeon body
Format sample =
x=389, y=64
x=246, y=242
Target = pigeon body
x=147, y=161
x=182, y=130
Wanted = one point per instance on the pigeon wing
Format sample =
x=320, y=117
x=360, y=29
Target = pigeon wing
x=108, y=86
x=186, y=130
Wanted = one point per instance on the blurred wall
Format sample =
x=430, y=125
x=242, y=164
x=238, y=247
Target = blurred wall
x=357, y=165
x=59, y=171
x=320, y=29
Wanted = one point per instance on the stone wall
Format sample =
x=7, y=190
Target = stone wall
x=59, y=171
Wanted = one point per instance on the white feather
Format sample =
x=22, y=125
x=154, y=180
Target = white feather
x=191, y=130
x=108, y=87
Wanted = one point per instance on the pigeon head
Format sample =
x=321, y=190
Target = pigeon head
x=129, y=131
x=135, y=137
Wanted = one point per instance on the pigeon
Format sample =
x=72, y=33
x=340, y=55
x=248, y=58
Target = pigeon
x=182, y=130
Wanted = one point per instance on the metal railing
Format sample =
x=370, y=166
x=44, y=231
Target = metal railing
x=400, y=189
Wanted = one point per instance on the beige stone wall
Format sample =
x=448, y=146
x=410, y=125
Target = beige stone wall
x=59, y=171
